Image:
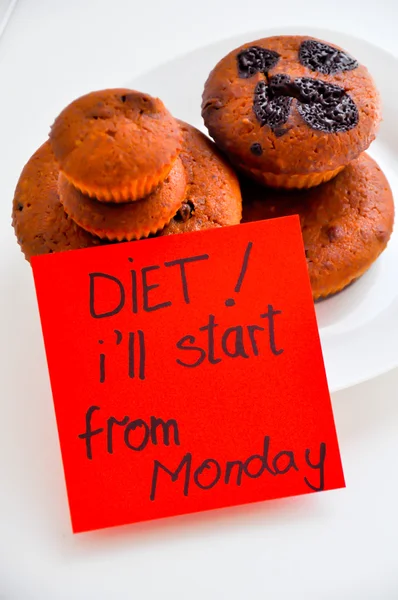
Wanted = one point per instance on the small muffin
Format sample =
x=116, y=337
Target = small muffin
x=291, y=111
x=205, y=184
x=115, y=145
x=127, y=221
x=40, y=223
x=346, y=223
x=212, y=198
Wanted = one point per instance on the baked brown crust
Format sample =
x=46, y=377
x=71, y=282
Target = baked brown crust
x=115, y=145
x=213, y=197
x=127, y=221
x=346, y=223
x=296, y=149
x=40, y=222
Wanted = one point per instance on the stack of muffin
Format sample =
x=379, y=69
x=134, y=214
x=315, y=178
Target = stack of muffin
x=294, y=113
x=121, y=177
x=118, y=167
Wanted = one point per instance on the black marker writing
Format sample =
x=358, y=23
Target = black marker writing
x=181, y=262
x=239, y=341
x=124, y=293
x=146, y=288
x=134, y=434
x=270, y=314
x=211, y=472
x=136, y=350
x=117, y=304
x=231, y=301
x=320, y=466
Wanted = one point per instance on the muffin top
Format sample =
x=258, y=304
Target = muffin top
x=291, y=104
x=107, y=139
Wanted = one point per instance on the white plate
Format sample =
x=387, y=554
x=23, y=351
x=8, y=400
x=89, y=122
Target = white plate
x=359, y=326
x=234, y=553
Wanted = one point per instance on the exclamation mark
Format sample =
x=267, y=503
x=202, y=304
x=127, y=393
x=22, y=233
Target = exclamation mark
x=231, y=301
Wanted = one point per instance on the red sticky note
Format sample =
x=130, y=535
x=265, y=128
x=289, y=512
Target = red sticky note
x=187, y=373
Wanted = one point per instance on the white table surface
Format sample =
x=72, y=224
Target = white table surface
x=341, y=544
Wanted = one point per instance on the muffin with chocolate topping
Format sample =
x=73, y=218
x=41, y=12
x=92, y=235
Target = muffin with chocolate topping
x=291, y=111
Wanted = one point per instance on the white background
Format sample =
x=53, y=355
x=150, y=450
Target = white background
x=340, y=544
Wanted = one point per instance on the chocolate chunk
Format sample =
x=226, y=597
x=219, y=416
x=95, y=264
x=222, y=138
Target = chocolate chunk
x=335, y=232
x=184, y=213
x=324, y=106
x=100, y=111
x=382, y=234
x=256, y=149
x=269, y=109
x=280, y=85
x=324, y=58
x=20, y=207
x=256, y=60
